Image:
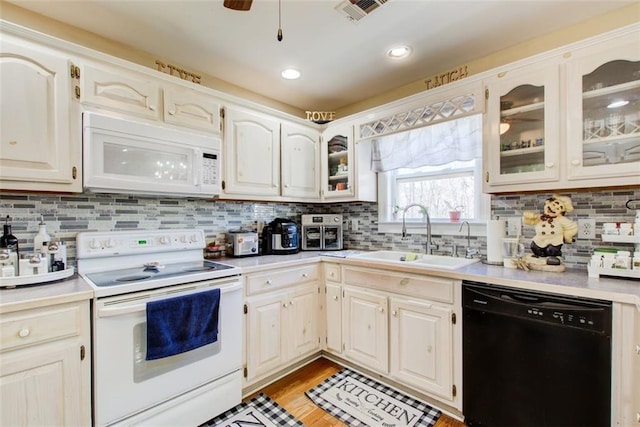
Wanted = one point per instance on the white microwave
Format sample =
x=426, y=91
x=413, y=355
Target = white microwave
x=122, y=156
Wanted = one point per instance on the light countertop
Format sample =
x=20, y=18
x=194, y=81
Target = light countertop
x=570, y=282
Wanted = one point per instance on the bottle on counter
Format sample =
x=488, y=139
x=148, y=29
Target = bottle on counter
x=10, y=242
x=42, y=239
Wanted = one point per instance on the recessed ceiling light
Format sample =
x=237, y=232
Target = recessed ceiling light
x=617, y=104
x=399, y=52
x=291, y=74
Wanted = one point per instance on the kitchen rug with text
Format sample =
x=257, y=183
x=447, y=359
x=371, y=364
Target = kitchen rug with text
x=357, y=400
x=261, y=411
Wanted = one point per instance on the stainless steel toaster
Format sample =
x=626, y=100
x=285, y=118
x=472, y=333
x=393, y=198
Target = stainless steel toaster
x=243, y=243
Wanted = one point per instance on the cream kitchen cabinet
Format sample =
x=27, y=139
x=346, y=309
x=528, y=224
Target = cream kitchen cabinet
x=40, y=145
x=262, y=165
x=402, y=325
x=346, y=173
x=137, y=94
x=365, y=327
x=421, y=349
x=118, y=89
x=333, y=307
x=45, y=366
x=300, y=162
x=522, y=127
x=282, y=321
x=573, y=120
x=603, y=108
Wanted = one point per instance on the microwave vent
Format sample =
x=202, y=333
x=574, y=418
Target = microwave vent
x=355, y=10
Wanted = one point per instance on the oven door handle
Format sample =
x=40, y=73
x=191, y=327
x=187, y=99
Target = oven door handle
x=141, y=305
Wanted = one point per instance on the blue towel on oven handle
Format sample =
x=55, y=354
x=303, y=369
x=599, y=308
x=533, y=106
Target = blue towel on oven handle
x=183, y=323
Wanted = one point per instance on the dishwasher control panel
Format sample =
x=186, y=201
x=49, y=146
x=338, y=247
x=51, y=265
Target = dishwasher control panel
x=581, y=313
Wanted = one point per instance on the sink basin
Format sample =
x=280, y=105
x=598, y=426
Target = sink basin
x=421, y=260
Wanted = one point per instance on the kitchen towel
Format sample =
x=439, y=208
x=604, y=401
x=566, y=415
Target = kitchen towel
x=183, y=323
x=496, y=231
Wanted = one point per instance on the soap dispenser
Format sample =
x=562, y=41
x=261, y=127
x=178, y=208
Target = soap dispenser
x=42, y=239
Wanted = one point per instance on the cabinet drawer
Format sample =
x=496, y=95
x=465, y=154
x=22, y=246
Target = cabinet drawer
x=30, y=327
x=433, y=288
x=280, y=278
x=332, y=272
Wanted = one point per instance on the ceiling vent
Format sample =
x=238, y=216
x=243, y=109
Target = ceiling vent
x=355, y=10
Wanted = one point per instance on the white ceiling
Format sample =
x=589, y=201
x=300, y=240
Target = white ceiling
x=341, y=62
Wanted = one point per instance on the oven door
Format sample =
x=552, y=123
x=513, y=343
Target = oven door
x=311, y=237
x=127, y=385
x=332, y=237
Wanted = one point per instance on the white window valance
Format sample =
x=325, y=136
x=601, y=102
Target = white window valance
x=438, y=144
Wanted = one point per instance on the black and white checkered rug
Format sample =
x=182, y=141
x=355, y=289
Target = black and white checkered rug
x=357, y=400
x=259, y=411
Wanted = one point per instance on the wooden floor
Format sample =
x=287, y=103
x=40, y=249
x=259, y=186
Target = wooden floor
x=289, y=393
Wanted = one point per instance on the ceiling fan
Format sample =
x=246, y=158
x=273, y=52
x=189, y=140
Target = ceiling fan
x=237, y=4
x=244, y=5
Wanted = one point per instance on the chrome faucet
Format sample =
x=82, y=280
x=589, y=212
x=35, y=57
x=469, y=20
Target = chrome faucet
x=429, y=245
x=470, y=252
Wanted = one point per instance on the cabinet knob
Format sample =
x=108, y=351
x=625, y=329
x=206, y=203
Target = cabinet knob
x=404, y=281
x=394, y=313
x=575, y=162
x=550, y=165
x=335, y=298
x=172, y=112
x=429, y=349
x=638, y=349
x=381, y=309
x=284, y=305
x=24, y=333
x=286, y=186
x=305, y=275
x=267, y=282
x=332, y=274
x=152, y=107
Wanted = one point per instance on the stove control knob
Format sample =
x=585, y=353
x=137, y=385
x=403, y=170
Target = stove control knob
x=183, y=239
x=94, y=244
x=164, y=240
x=336, y=219
x=193, y=238
x=110, y=243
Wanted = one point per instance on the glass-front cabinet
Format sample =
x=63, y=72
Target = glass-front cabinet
x=603, y=107
x=522, y=126
x=338, y=153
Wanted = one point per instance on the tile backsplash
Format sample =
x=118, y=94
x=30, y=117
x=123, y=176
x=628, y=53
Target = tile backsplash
x=66, y=215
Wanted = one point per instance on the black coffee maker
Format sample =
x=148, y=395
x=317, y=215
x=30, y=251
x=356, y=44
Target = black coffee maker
x=280, y=237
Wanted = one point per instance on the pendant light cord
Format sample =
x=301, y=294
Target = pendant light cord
x=279, y=20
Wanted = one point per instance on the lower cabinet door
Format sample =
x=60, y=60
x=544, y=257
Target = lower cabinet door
x=42, y=387
x=365, y=328
x=334, y=317
x=303, y=320
x=421, y=346
x=265, y=341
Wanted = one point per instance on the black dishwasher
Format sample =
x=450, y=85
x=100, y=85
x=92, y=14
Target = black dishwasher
x=534, y=359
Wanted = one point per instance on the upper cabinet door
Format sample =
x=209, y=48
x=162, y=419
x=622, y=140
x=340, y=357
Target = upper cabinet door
x=603, y=107
x=300, y=156
x=186, y=107
x=123, y=91
x=338, y=163
x=522, y=126
x=251, y=154
x=39, y=149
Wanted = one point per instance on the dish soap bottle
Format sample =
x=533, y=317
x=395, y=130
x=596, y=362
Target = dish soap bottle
x=10, y=242
x=42, y=239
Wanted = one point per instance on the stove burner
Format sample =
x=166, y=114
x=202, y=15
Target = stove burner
x=133, y=278
x=202, y=268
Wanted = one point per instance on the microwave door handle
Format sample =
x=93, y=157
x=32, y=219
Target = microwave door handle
x=197, y=167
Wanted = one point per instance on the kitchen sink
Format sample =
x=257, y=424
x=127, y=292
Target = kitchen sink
x=419, y=260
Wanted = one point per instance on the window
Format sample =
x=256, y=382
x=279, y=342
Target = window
x=438, y=167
